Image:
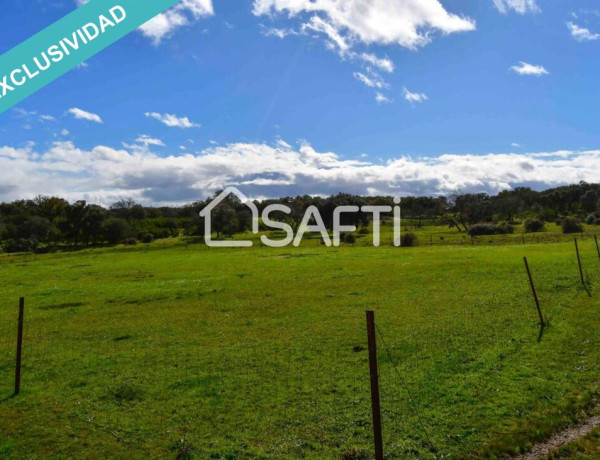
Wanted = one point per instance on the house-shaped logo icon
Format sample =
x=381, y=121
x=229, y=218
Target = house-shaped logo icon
x=206, y=213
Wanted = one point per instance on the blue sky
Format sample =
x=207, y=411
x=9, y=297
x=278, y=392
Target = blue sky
x=404, y=96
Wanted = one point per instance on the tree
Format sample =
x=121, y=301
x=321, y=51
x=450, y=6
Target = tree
x=92, y=223
x=37, y=230
x=589, y=201
x=114, y=230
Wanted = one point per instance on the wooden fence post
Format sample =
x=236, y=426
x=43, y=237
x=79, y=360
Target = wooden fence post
x=19, y=346
x=377, y=436
x=579, y=263
x=597, y=246
x=535, y=297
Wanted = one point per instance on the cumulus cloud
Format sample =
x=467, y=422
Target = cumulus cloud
x=104, y=174
x=408, y=23
x=172, y=121
x=83, y=115
x=581, y=34
x=347, y=25
x=520, y=6
x=529, y=69
x=182, y=14
x=414, y=97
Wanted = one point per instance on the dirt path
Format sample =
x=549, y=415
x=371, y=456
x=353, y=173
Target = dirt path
x=542, y=450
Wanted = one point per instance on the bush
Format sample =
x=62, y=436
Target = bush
x=19, y=245
x=130, y=241
x=148, y=238
x=490, y=229
x=349, y=238
x=504, y=229
x=482, y=229
x=571, y=225
x=363, y=231
x=591, y=219
x=408, y=239
x=534, y=225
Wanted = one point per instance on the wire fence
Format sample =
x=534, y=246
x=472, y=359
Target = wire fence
x=290, y=397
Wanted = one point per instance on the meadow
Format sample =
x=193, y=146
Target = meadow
x=176, y=350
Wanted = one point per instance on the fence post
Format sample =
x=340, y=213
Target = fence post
x=19, y=346
x=535, y=297
x=579, y=263
x=377, y=436
x=597, y=246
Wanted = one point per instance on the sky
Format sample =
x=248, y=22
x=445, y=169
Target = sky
x=288, y=97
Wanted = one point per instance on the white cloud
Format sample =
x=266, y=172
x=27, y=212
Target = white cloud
x=172, y=121
x=520, y=6
x=528, y=69
x=414, y=97
x=581, y=34
x=381, y=98
x=515, y=144
x=64, y=132
x=275, y=32
x=47, y=118
x=103, y=174
x=185, y=12
x=384, y=64
x=147, y=140
x=408, y=23
x=83, y=115
x=372, y=81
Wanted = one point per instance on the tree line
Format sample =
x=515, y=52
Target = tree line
x=44, y=223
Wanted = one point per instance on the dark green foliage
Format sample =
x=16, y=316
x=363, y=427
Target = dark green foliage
x=408, y=239
x=114, y=230
x=148, y=238
x=349, y=238
x=534, y=225
x=482, y=229
x=591, y=219
x=50, y=222
x=18, y=245
x=571, y=225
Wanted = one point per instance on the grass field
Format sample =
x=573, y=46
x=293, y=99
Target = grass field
x=173, y=351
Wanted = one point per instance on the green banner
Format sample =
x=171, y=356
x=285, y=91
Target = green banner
x=67, y=43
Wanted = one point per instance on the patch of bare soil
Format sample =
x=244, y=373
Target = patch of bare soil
x=543, y=449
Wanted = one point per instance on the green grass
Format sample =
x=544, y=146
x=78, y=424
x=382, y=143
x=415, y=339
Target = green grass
x=172, y=351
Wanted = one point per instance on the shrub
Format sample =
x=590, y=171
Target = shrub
x=482, y=229
x=408, y=239
x=571, y=225
x=534, y=225
x=504, y=229
x=490, y=229
x=148, y=238
x=363, y=231
x=130, y=241
x=591, y=219
x=19, y=245
x=349, y=238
